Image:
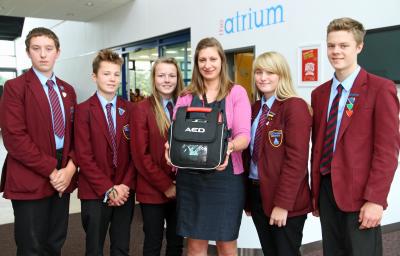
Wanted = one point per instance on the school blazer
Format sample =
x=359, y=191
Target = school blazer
x=147, y=147
x=282, y=166
x=94, y=151
x=29, y=137
x=367, y=146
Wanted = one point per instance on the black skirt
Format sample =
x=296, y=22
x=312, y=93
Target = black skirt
x=210, y=206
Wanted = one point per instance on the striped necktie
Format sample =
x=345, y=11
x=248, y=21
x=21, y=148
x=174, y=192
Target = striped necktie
x=170, y=110
x=111, y=131
x=259, y=131
x=327, y=152
x=58, y=119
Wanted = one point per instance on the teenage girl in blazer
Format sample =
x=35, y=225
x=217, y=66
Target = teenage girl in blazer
x=156, y=181
x=279, y=194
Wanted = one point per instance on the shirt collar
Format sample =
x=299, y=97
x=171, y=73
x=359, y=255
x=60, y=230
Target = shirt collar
x=104, y=102
x=165, y=102
x=348, y=82
x=269, y=102
x=42, y=78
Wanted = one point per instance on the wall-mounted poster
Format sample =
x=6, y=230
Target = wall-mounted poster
x=309, y=65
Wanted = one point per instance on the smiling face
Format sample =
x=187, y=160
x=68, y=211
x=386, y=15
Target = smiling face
x=342, y=52
x=209, y=63
x=266, y=82
x=43, y=53
x=165, y=78
x=107, y=79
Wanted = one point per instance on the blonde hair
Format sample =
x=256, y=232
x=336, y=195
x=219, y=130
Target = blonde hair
x=275, y=63
x=196, y=86
x=162, y=120
x=349, y=25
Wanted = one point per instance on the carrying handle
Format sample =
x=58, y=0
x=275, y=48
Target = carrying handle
x=199, y=109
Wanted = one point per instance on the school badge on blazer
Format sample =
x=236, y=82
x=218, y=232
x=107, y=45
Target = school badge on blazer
x=275, y=137
x=126, y=131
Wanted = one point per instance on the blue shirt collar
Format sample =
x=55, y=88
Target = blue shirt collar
x=348, y=82
x=103, y=101
x=269, y=102
x=42, y=78
x=165, y=102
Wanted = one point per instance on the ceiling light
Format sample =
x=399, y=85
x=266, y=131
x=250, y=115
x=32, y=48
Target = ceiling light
x=171, y=52
x=89, y=4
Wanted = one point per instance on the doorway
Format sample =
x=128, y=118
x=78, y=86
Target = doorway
x=240, y=64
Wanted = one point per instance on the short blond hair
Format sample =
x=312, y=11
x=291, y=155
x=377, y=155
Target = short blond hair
x=349, y=25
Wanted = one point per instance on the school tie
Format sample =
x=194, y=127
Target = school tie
x=58, y=120
x=170, y=110
x=111, y=131
x=259, y=131
x=327, y=152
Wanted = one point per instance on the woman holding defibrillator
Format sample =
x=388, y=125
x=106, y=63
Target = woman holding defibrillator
x=210, y=204
x=278, y=191
x=155, y=189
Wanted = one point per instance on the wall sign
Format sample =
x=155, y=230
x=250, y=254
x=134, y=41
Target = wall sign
x=309, y=65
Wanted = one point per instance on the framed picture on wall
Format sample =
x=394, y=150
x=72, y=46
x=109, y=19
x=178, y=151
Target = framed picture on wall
x=309, y=65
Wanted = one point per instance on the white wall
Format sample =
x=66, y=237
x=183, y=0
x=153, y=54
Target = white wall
x=304, y=23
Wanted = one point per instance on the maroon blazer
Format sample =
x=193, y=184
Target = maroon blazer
x=147, y=144
x=94, y=151
x=367, y=145
x=29, y=138
x=282, y=166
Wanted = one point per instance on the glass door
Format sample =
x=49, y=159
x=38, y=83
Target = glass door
x=183, y=55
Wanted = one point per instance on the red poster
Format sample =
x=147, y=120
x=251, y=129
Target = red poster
x=309, y=65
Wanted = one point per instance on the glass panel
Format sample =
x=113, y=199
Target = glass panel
x=8, y=62
x=182, y=54
x=6, y=75
x=140, y=64
x=7, y=48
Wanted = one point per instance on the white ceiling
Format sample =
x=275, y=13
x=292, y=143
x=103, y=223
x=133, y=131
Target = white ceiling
x=77, y=10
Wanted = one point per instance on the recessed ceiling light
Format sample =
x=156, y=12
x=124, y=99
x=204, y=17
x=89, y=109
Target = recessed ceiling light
x=89, y=4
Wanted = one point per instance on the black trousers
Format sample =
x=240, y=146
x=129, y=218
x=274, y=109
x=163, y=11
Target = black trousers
x=340, y=230
x=154, y=216
x=41, y=225
x=279, y=241
x=98, y=218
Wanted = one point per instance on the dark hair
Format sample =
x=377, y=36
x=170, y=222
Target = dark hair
x=41, y=31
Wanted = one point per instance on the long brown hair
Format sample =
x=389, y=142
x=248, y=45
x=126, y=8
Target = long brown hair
x=162, y=120
x=196, y=86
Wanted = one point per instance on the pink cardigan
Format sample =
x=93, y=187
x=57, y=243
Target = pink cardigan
x=238, y=115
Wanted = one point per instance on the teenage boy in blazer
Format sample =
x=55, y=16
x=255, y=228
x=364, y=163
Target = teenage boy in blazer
x=106, y=176
x=355, y=146
x=279, y=196
x=38, y=174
